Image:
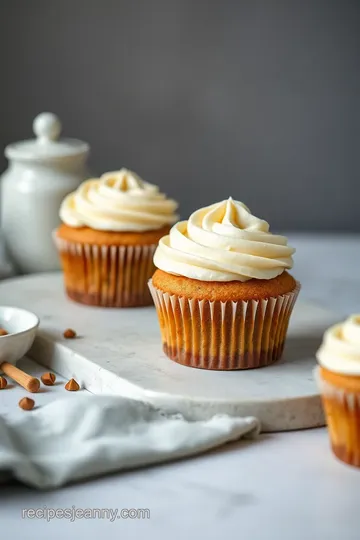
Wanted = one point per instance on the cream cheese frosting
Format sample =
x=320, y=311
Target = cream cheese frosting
x=340, y=349
x=118, y=201
x=223, y=242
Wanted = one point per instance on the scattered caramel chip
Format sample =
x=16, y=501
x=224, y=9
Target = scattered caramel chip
x=26, y=403
x=69, y=333
x=72, y=386
x=3, y=383
x=3, y=332
x=48, y=379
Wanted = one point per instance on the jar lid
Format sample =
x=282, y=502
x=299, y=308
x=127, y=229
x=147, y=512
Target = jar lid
x=47, y=145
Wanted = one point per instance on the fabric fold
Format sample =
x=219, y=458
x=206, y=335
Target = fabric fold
x=72, y=440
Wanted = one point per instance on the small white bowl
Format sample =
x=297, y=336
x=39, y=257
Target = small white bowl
x=22, y=326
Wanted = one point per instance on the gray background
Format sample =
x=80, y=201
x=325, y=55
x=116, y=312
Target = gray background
x=254, y=99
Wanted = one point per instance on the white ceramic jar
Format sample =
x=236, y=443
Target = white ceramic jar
x=41, y=172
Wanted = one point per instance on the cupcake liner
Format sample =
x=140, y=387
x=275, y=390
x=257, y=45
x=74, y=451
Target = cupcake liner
x=108, y=276
x=342, y=411
x=223, y=335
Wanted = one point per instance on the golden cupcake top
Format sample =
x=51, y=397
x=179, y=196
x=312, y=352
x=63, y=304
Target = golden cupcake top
x=340, y=348
x=223, y=242
x=118, y=201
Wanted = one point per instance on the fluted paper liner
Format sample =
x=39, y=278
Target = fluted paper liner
x=108, y=276
x=342, y=412
x=223, y=335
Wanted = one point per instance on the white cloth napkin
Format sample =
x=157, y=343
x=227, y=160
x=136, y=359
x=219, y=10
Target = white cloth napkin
x=73, y=439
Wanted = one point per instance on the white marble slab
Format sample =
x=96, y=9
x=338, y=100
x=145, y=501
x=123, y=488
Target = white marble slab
x=119, y=352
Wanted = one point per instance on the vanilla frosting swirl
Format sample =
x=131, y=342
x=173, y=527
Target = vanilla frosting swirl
x=223, y=242
x=340, y=349
x=118, y=201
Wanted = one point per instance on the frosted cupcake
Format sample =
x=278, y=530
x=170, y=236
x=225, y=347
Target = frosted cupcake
x=339, y=381
x=222, y=292
x=110, y=229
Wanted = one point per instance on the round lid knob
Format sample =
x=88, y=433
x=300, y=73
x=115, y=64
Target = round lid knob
x=47, y=127
x=47, y=145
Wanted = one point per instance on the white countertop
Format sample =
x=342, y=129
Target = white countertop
x=284, y=486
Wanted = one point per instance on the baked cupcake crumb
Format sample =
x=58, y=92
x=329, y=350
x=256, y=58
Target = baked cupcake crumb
x=254, y=289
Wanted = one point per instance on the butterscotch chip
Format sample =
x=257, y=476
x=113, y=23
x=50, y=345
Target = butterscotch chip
x=3, y=332
x=26, y=404
x=48, y=379
x=3, y=383
x=69, y=333
x=72, y=386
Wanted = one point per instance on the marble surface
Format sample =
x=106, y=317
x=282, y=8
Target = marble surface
x=285, y=486
x=326, y=265
x=119, y=352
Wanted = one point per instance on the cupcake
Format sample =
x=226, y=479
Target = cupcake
x=338, y=376
x=110, y=229
x=221, y=289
